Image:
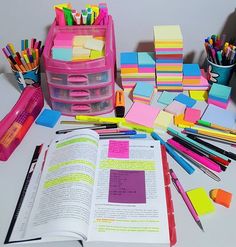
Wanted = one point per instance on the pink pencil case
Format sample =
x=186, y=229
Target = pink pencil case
x=17, y=122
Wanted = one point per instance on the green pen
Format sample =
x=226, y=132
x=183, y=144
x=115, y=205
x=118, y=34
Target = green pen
x=68, y=16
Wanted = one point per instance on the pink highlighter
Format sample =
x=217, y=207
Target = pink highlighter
x=202, y=159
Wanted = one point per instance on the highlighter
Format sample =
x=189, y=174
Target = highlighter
x=120, y=103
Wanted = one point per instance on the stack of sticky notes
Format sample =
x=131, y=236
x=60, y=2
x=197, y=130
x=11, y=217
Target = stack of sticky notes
x=175, y=108
x=168, y=42
x=143, y=92
x=191, y=74
x=137, y=66
x=219, y=95
x=185, y=99
x=70, y=47
x=163, y=120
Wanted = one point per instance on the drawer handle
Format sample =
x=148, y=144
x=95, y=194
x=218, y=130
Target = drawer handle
x=77, y=78
x=78, y=93
x=80, y=108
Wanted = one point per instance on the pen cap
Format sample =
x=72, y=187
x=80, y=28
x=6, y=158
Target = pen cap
x=120, y=103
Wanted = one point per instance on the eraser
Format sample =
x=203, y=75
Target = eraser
x=48, y=118
x=221, y=197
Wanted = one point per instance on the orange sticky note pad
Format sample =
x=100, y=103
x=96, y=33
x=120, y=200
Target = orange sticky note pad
x=221, y=196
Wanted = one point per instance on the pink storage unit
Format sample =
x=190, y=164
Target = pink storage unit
x=82, y=87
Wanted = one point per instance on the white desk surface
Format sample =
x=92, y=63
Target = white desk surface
x=219, y=226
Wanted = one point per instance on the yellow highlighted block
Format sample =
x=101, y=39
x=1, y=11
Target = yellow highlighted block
x=201, y=201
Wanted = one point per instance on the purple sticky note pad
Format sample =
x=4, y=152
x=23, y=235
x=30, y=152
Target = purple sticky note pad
x=127, y=186
x=118, y=149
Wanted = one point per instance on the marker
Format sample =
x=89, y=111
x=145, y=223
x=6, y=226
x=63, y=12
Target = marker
x=183, y=163
x=84, y=16
x=129, y=132
x=120, y=104
x=137, y=136
x=187, y=201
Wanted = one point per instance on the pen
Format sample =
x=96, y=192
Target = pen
x=200, y=158
x=199, y=166
x=183, y=163
x=220, y=150
x=123, y=136
x=129, y=132
x=102, y=126
x=187, y=201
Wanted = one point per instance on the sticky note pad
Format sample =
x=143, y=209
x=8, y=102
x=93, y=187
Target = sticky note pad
x=79, y=40
x=191, y=70
x=143, y=89
x=199, y=95
x=64, y=54
x=175, y=108
x=94, y=44
x=221, y=197
x=118, y=149
x=146, y=59
x=219, y=92
x=129, y=58
x=142, y=114
x=180, y=122
x=201, y=201
x=184, y=99
x=167, y=97
x=163, y=120
x=168, y=33
x=192, y=115
x=216, y=115
x=48, y=118
x=63, y=39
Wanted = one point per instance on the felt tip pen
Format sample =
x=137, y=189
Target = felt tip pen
x=220, y=150
x=137, y=136
x=187, y=201
x=183, y=163
x=129, y=132
x=105, y=126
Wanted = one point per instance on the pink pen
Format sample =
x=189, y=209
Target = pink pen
x=103, y=131
x=202, y=159
x=187, y=201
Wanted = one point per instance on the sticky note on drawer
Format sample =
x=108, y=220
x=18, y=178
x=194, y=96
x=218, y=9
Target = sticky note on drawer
x=94, y=44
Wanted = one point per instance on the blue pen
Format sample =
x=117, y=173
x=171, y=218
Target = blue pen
x=123, y=136
x=129, y=132
x=182, y=162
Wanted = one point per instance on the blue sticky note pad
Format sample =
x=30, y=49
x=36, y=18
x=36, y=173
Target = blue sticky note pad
x=128, y=58
x=220, y=92
x=186, y=100
x=191, y=70
x=143, y=89
x=146, y=59
x=48, y=118
x=167, y=97
x=64, y=54
x=217, y=115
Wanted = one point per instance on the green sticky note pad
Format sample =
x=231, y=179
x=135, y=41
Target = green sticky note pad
x=201, y=201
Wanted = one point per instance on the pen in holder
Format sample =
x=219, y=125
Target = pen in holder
x=17, y=122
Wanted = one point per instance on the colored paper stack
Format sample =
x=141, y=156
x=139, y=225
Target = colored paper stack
x=143, y=92
x=168, y=43
x=136, y=67
x=219, y=95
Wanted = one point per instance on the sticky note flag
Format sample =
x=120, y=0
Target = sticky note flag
x=163, y=120
x=94, y=44
x=221, y=197
x=198, y=95
x=48, y=118
x=175, y=108
x=201, y=201
x=142, y=114
x=79, y=40
x=167, y=97
x=184, y=99
x=118, y=149
x=192, y=115
x=127, y=186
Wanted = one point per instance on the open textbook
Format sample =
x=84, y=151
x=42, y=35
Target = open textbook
x=103, y=191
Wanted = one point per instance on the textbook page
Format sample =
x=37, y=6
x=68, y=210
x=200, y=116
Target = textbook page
x=129, y=203
x=63, y=201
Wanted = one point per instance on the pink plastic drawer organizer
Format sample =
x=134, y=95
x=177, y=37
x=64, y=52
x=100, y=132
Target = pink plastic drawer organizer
x=85, y=87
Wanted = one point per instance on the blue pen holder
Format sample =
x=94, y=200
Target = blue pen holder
x=219, y=73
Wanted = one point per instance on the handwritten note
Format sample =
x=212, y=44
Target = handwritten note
x=118, y=149
x=127, y=186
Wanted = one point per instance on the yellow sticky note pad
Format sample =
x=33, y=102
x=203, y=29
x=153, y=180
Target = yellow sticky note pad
x=163, y=120
x=198, y=95
x=79, y=40
x=201, y=201
x=96, y=54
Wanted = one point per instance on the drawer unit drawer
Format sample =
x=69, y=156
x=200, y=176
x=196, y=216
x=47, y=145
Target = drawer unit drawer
x=73, y=93
x=91, y=107
x=79, y=79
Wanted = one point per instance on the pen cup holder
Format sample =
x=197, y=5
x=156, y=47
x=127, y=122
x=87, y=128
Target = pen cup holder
x=29, y=77
x=219, y=73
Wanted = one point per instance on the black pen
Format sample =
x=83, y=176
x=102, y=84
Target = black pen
x=220, y=150
x=102, y=126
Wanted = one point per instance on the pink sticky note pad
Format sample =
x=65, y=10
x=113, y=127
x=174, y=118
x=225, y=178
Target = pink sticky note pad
x=192, y=115
x=142, y=114
x=118, y=149
x=175, y=108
